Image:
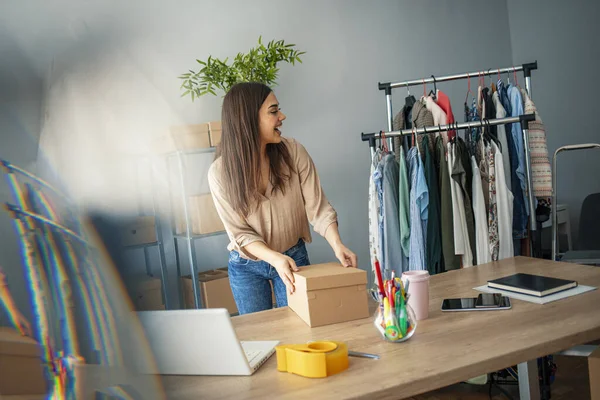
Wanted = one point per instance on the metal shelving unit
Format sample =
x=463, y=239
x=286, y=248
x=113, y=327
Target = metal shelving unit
x=158, y=243
x=188, y=236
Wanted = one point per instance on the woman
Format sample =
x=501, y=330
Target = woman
x=266, y=190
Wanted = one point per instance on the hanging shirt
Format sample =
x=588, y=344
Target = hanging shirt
x=394, y=257
x=505, y=101
x=473, y=133
x=516, y=102
x=451, y=260
x=484, y=172
x=439, y=116
x=422, y=117
x=374, y=249
x=433, y=253
x=480, y=215
x=501, y=113
x=403, y=203
x=493, y=206
x=462, y=174
x=461, y=236
x=444, y=102
x=378, y=178
x=419, y=201
x=504, y=200
x=398, y=125
x=520, y=202
x=541, y=174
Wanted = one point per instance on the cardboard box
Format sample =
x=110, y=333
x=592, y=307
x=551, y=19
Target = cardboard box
x=214, y=288
x=182, y=137
x=141, y=230
x=329, y=293
x=147, y=294
x=215, y=131
x=21, y=369
x=203, y=216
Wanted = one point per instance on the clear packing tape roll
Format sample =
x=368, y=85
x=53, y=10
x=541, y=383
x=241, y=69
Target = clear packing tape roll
x=313, y=360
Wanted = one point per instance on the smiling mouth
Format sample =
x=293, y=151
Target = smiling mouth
x=278, y=131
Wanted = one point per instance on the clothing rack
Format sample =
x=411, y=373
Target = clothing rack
x=526, y=68
x=388, y=86
x=523, y=119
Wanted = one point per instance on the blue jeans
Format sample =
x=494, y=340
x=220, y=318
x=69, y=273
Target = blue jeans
x=249, y=280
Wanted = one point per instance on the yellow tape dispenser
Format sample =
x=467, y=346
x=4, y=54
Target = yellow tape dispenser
x=313, y=360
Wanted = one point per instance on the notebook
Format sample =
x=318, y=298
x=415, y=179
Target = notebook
x=534, y=285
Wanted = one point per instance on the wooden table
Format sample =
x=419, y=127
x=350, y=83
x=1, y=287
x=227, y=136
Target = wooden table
x=447, y=347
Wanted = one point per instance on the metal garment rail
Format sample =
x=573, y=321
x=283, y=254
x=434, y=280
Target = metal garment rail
x=388, y=86
x=523, y=119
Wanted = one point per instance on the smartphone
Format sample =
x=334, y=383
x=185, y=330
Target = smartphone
x=486, y=303
x=489, y=300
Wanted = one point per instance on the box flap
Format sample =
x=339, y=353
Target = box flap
x=13, y=343
x=140, y=222
x=329, y=275
x=211, y=275
x=144, y=282
x=192, y=129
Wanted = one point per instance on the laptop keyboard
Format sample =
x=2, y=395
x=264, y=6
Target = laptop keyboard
x=251, y=355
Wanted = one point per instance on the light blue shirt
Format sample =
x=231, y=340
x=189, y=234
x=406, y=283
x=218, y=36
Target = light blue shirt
x=394, y=256
x=419, y=205
x=516, y=103
x=378, y=179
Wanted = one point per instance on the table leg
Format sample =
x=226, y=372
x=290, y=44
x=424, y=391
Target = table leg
x=529, y=385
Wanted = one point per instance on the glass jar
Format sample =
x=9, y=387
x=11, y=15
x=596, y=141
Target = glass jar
x=400, y=323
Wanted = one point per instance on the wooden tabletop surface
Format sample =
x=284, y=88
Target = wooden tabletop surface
x=447, y=347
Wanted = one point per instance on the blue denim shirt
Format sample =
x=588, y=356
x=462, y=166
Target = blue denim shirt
x=516, y=102
x=419, y=203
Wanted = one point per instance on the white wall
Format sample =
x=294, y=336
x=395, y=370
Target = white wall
x=562, y=36
x=112, y=83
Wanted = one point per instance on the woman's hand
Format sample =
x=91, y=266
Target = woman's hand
x=284, y=266
x=346, y=257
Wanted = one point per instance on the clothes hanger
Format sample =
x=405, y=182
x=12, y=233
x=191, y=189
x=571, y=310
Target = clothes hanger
x=409, y=100
x=469, y=89
x=433, y=93
x=490, y=136
x=383, y=144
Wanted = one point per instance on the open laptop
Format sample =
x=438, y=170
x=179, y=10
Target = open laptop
x=199, y=342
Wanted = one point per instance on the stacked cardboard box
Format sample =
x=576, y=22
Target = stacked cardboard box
x=215, y=289
x=141, y=230
x=182, y=137
x=203, y=216
x=215, y=131
x=21, y=369
x=147, y=294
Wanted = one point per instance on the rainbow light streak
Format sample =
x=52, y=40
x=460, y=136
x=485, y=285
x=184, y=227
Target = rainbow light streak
x=61, y=280
x=35, y=278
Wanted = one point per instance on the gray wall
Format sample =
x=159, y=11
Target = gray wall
x=562, y=36
x=112, y=85
x=20, y=106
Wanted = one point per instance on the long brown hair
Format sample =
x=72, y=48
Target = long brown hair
x=240, y=148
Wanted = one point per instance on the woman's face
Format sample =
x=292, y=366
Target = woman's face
x=270, y=119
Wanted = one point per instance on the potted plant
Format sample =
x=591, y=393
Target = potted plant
x=260, y=64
